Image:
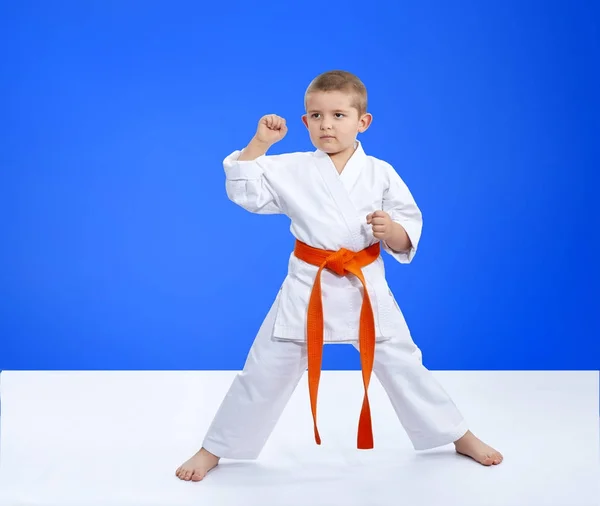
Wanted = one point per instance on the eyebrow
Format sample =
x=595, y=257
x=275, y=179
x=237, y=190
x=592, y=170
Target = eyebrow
x=336, y=110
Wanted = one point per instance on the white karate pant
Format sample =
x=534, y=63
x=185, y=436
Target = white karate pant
x=273, y=369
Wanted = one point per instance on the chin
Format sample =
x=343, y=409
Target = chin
x=331, y=148
x=334, y=150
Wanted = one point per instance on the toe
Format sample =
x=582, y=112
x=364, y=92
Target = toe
x=488, y=460
x=197, y=476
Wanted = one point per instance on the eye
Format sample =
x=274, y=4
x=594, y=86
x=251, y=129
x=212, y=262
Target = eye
x=314, y=115
x=339, y=115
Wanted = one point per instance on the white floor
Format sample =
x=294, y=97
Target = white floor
x=116, y=438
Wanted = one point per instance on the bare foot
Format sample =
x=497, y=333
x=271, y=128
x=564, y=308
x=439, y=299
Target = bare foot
x=473, y=447
x=196, y=468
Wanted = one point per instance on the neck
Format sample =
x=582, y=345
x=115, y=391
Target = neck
x=341, y=159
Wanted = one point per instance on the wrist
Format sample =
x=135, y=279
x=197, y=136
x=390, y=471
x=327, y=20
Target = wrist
x=254, y=149
x=259, y=144
x=398, y=239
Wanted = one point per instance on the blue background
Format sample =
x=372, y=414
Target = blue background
x=120, y=249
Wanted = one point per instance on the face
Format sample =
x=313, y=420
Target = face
x=333, y=122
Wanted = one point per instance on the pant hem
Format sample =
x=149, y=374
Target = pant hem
x=441, y=440
x=224, y=452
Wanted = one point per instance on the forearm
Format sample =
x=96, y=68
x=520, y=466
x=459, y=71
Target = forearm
x=399, y=240
x=253, y=150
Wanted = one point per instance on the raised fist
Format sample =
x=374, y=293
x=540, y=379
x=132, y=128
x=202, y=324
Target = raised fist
x=271, y=129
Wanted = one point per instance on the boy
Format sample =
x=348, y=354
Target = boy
x=344, y=206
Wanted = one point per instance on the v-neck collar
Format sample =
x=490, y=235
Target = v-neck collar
x=352, y=168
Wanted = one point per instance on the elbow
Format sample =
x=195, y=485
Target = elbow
x=242, y=201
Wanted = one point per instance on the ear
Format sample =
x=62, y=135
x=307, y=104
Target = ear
x=305, y=120
x=365, y=122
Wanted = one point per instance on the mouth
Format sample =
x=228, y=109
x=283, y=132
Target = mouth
x=327, y=137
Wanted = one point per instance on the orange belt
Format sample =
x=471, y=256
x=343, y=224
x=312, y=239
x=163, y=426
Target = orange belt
x=341, y=262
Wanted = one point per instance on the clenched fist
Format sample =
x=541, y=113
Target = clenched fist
x=381, y=223
x=271, y=129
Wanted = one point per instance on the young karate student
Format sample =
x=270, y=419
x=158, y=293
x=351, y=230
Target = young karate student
x=344, y=206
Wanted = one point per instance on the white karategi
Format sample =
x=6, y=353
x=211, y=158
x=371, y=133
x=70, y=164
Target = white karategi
x=328, y=211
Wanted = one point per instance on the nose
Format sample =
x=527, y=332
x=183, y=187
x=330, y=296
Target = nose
x=325, y=124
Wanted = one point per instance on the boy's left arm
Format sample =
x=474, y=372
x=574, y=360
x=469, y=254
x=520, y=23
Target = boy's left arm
x=400, y=222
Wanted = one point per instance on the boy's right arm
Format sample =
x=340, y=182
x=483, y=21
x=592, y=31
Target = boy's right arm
x=246, y=184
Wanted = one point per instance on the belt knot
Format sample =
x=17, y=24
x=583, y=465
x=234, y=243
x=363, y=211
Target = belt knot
x=339, y=261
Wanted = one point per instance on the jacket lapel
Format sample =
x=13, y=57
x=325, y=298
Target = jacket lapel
x=339, y=186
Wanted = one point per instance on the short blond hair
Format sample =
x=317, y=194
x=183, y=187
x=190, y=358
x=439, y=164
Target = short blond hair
x=340, y=80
